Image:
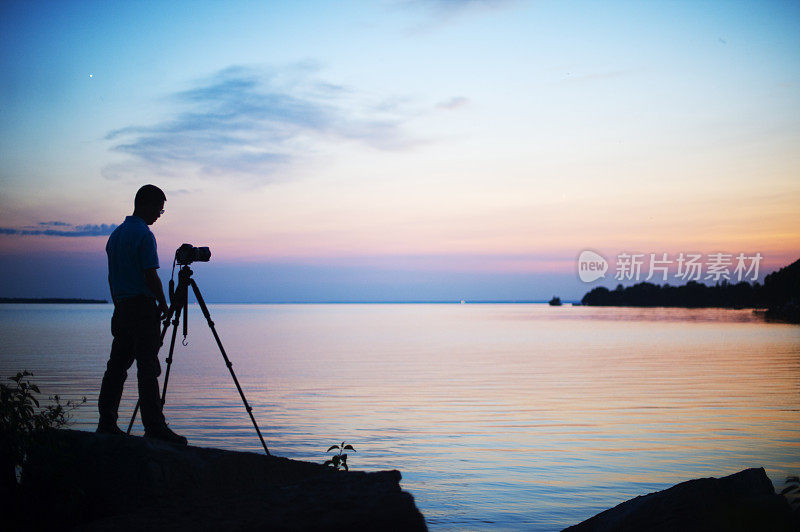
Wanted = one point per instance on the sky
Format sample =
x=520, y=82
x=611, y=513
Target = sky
x=397, y=150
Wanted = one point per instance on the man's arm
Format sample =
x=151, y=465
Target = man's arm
x=153, y=282
x=110, y=288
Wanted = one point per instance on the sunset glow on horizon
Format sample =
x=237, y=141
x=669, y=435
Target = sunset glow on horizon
x=397, y=149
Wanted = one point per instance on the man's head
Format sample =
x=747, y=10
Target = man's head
x=149, y=203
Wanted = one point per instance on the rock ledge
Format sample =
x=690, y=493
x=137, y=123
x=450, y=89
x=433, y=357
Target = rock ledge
x=744, y=501
x=92, y=481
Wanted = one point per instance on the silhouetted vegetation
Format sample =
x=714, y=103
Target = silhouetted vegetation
x=23, y=422
x=555, y=302
x=780, y=294
x=339, y=459
x=690, y=295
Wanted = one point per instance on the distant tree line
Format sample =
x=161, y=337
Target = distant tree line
x=690, y=295
x=780, y=294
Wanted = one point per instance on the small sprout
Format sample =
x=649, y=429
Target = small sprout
x=339, y=459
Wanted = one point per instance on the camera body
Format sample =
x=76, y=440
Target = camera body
x=187, y=254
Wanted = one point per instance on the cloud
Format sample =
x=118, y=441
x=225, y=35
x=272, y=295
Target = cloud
x=250, y=125
x=442, y=11
x=179, y=192
x=70, y=230
x=454, y=6
x=453, y=103
x=599, y=75
x=56, y=224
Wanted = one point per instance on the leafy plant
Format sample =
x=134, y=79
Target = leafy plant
x=340, y=459
x=22, y=420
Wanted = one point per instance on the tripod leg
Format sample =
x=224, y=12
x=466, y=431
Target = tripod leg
x=228, y=363
x=171, y=351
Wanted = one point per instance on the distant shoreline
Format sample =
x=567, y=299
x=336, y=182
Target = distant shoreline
x=50, y=300
x=779, y=295
x=326, y=302
x=453, y=302
x=566, y=303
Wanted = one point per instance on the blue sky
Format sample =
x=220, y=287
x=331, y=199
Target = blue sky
x=396, y=149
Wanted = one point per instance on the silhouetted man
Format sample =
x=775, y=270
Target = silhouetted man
x=139, y=306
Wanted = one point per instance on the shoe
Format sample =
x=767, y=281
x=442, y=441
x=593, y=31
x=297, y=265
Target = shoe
x=164, y=433
x=108, y=428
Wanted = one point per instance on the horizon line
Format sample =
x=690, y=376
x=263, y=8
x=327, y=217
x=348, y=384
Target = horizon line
x=9, y=300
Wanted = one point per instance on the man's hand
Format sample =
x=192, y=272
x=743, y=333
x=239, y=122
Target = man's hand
x=163, y=310
x=154, y=284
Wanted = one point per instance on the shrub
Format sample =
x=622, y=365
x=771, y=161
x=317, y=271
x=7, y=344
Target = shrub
x=22, y=422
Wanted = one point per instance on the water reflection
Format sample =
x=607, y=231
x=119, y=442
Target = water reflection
x=522, y=416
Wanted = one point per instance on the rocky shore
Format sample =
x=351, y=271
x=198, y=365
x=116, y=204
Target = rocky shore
x=745, y=501
x=86, y=481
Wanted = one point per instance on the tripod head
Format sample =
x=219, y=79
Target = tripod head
x=184, y=274
x=179, y=298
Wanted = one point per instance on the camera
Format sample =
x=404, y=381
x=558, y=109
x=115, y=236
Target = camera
x=187, y=254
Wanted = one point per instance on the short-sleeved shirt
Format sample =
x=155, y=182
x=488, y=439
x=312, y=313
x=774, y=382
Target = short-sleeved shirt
x=131, y=250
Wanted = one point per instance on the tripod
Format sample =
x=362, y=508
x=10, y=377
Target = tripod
x=179, y=301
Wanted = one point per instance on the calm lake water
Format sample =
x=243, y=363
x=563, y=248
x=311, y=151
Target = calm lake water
x=499, y=416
